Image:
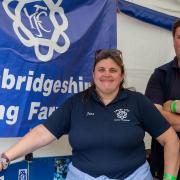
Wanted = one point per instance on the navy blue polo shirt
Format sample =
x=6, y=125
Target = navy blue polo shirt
x=107, y=139
x=163, y=85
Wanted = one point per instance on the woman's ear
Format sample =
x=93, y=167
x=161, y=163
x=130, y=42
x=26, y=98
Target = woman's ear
x=122, y=76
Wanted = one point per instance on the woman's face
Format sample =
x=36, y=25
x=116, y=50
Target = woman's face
x=107, y=77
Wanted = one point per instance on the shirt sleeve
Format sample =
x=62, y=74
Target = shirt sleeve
x=59, y=122
x=152, y=120
x=154, y=89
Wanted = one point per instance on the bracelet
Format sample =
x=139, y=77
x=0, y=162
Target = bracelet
x=173, y=106
x=4, y=160
x=169, y=176
x=3, y=155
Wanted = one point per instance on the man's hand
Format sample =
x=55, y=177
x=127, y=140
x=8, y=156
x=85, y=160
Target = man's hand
x=172, y=118
x=167, y=106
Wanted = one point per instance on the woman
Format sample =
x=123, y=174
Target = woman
x=106, y=126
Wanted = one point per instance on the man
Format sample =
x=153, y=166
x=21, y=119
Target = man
x=163, y=89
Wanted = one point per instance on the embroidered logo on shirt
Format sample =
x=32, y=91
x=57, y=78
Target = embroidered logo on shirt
x=121, y=114
x=89, y=114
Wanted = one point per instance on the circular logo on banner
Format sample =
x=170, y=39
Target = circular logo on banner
x=41, y=25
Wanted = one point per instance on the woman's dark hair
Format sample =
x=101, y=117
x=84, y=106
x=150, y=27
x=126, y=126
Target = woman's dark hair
x=116, y=56
x=175, y=26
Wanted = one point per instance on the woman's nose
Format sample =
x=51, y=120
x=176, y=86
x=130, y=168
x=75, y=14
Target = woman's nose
x=107, y=73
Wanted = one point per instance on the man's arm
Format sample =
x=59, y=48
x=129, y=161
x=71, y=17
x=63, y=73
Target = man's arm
x=172, y=118
x=167, y=106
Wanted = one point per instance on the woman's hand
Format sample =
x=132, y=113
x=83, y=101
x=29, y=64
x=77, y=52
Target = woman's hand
x=1, y=167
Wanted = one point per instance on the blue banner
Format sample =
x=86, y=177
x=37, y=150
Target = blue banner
x=46, y=55
x=46, y=168
x=146, y=14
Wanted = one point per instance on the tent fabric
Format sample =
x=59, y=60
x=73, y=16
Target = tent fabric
x=146, y=14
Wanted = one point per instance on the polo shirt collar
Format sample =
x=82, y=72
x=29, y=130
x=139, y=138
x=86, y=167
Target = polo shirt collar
x=172, y=64
x=122, y=94
x=175, y=63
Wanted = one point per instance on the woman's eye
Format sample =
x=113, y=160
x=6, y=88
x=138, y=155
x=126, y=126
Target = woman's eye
x=113, y=70
x=101, y=70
